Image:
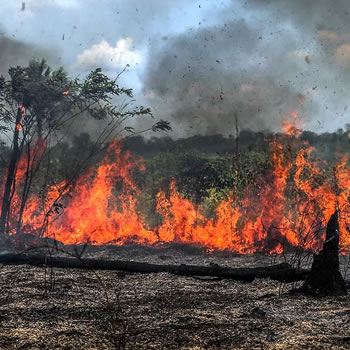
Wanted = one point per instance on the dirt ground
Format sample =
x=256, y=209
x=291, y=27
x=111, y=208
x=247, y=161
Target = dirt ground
x=81, y=309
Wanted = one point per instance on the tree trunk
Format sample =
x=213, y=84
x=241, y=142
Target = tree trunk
x=282, y=272
x=26, y=188
x=11, y=172
x=325, y=277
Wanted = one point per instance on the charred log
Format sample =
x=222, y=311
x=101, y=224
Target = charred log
x=282, y=272
x=325, y=277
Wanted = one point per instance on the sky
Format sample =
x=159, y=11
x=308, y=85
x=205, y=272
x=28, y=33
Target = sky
x=199, y=64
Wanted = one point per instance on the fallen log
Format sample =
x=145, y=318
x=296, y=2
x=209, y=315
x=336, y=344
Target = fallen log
x=281, y=272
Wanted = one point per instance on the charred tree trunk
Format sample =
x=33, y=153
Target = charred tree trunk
x=11, y=172
x=282, y=272
x=325, y=277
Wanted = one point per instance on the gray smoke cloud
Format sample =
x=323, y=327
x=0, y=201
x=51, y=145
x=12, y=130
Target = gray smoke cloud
x=289, y=55
x=16, y=53
x=258, y=59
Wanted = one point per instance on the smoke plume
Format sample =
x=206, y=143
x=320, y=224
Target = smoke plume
x=283, y=56
x=16, y=53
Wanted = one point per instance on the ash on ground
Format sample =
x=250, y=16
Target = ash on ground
x=81, y=309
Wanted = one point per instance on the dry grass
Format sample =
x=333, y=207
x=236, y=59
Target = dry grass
x=164, y=311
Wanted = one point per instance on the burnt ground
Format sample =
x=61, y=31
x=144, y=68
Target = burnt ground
x=81, y=309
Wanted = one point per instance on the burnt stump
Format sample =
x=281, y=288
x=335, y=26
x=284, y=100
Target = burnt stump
x=325, y=278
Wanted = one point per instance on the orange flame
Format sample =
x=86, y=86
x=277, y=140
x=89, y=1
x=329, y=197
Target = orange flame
x=22, y=111
x=289, y=207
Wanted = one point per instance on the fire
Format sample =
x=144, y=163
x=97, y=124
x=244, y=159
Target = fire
x=65, y=92
x=292, y=124
x=21, y=112
x=289, y=207
x=28, y=163
x=97, y=213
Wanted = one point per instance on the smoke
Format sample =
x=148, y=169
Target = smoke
x=16, y=53
x=257, y=60
x=284, y=56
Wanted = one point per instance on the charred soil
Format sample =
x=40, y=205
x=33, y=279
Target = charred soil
x=80, y=309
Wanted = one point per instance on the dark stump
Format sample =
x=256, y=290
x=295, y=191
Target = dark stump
x=325, y=278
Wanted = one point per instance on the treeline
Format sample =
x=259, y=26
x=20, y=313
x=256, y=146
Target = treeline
x=177, y=158
x=328, y=145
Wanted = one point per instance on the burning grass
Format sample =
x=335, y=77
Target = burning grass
x=288, y=206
